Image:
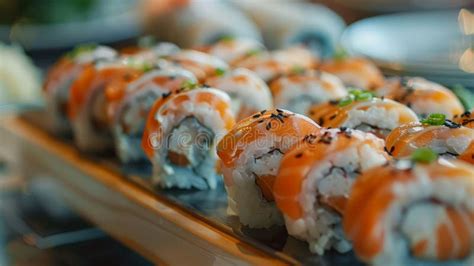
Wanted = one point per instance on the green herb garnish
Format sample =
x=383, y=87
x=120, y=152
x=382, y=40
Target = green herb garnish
x=424, y=155
x=220, y=71
x=80, y=49
x=340, y=54
x=434, y=120
x=356, y=95
x=227, y=38
x=346, y=101
x=465, y=96
x=188, y=85
x=254, y=52
x=297, y=70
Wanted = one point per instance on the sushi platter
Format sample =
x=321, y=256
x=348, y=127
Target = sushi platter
x=233, y=153
x=151, y=221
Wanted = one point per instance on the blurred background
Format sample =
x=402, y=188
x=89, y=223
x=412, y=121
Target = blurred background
x=430, y=38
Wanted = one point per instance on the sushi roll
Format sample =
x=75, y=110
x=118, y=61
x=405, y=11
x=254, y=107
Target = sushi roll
x=131, y=110
x=270, y=65
x=87, y=107
x=297, y=92
x=313, y=184
x=355, y=72
x=422, y=96
x=443, y=136
x=360, y=110
x=202, y=65
x=199, y=23
x=286, y=23
x=58, y=82
x=248, y=92
x=180, y=136
x=250, y=154
x=232, y=50
x=465, y=119
x=413, y=212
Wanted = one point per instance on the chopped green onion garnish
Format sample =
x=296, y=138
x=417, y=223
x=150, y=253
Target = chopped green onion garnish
x=434, y=120
x=465, y=96
x=340, y=54
x=147, y=67
x=81, y=49
x=356, y=95
x=253, y=52
x=346, y=101
x=188, y=85
x=424, y=155
x=364, y=96
x=297, y=70
x=220, y=71
x=226, y=38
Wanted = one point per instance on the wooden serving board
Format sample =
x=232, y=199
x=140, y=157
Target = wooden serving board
x=178, y=227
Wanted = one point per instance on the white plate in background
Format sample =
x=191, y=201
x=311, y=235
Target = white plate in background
x=429, y=44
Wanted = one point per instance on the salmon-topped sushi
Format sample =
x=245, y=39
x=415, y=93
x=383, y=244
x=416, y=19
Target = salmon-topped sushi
x=443, y=136
x=250, y=154
x=418, y=211
x=312, y=187
x=248, y=92
x=270, y=65
x=202, y=65
x=297, y=92
x=361, y=110
x=355, y=72
x=422, y=96
x=87, y=108
x=180, y=136
x=233, y=50
x=131, y=109
x=60, y=77
x=465, y=119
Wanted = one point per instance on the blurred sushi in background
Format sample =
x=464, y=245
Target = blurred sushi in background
x=58, y=81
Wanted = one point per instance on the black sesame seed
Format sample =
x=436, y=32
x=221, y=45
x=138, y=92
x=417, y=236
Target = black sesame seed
x=268, y=126
x=165, y=95
x=298, y=155
x=263, y=111
x=256, y=116
x=321, y=121
x=451, y=124
x=332, y=117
